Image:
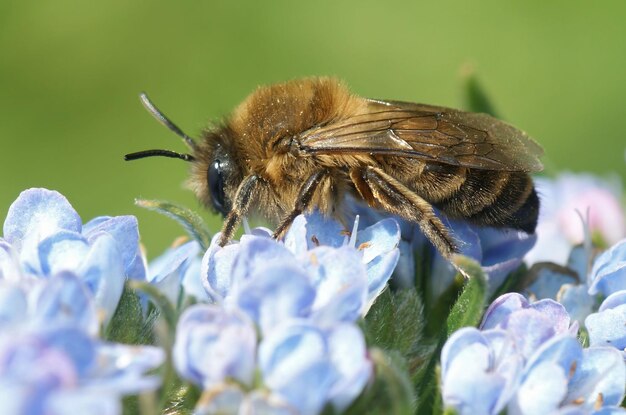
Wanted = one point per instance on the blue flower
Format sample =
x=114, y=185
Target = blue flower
x=335, y=281
x=526, y=359
x=44, y=236
x=479, y=371
x=178, y=268
x=213, y=345
x=498, y=251
x=302, y=296
x=309, y=366
x=59, y=369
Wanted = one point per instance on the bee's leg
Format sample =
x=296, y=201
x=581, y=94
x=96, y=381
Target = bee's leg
x=381, y=190
x=303, y=201
x=247, y=190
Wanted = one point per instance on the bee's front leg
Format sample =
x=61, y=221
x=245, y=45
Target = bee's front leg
x=303, y=200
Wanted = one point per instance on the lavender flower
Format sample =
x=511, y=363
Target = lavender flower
x=526, y=359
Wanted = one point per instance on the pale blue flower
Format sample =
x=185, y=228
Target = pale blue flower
x=526, y=359
x=213, y=345
x=59, y=369
x=44, y=236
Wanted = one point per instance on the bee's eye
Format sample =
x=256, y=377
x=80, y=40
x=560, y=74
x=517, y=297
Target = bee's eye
x=215, y=178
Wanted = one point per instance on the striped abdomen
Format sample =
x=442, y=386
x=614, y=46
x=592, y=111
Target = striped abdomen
x=485, y=197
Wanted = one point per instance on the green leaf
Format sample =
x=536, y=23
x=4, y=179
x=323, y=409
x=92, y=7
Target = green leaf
x=128, y=324
x=475, y=99
x=391, y=392
x=190, y=220
x=395, y=321
x=468, y=308
x=165, y=308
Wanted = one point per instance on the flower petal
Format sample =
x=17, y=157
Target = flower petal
x=38, y=213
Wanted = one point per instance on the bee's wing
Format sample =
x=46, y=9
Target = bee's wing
x=430, y=133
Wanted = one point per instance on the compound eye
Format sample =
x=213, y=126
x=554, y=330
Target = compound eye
x=215, y=178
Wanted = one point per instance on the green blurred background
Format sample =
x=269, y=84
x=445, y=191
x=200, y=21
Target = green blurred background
x=70, y=72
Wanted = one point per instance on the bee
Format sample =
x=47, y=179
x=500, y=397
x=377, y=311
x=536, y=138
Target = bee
x=304, y=144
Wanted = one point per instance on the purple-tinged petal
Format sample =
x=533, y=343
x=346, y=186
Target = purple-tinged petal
x=501, y=308
x=275, y=294
x=213, y=344
x=38, y=213
x=599, y=378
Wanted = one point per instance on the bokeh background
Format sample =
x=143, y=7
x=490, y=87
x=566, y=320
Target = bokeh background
x=70, y=72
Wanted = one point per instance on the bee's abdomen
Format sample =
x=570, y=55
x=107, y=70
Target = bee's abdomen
x=494, y=198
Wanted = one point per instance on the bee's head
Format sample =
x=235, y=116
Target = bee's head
x=215, y=171
x=214, y=175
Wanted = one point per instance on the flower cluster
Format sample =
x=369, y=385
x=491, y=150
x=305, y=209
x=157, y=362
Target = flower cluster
x=286, y=311
x=525, y=358
x=60, y=281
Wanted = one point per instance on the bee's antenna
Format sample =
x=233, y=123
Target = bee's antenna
x=162, y=153
x=160, y=117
